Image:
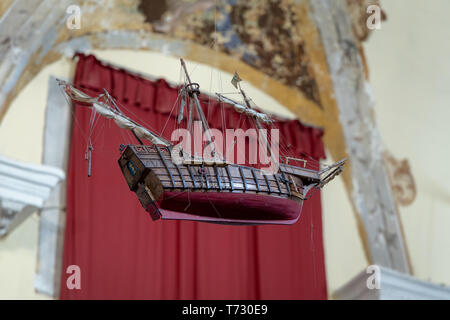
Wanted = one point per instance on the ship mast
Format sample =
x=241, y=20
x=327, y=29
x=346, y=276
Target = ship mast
x=259, y=126
x=194, y=92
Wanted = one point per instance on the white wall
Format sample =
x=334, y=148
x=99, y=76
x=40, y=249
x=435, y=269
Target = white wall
x=21, y=138
x=409, y=60
x=409, y=65
x=18, y=262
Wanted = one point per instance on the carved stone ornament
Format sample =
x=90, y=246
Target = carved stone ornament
x=401, y=179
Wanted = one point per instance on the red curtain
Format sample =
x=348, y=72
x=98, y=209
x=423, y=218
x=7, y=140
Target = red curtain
x=123, y=254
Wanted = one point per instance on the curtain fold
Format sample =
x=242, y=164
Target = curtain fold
x=123, y=254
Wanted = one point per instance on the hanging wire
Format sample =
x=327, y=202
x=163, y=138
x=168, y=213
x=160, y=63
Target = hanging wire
x=72, y=110
x=313, y=249
x=170, y=114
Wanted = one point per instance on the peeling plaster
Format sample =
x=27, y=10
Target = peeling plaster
x=371, y=194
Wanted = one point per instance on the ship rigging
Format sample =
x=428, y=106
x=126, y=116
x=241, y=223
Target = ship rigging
x=212, y=189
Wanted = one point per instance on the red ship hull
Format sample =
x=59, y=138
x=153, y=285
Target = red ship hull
x=227, y=208
x=224, y=194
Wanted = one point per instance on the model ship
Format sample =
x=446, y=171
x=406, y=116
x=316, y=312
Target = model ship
x=209, y=189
